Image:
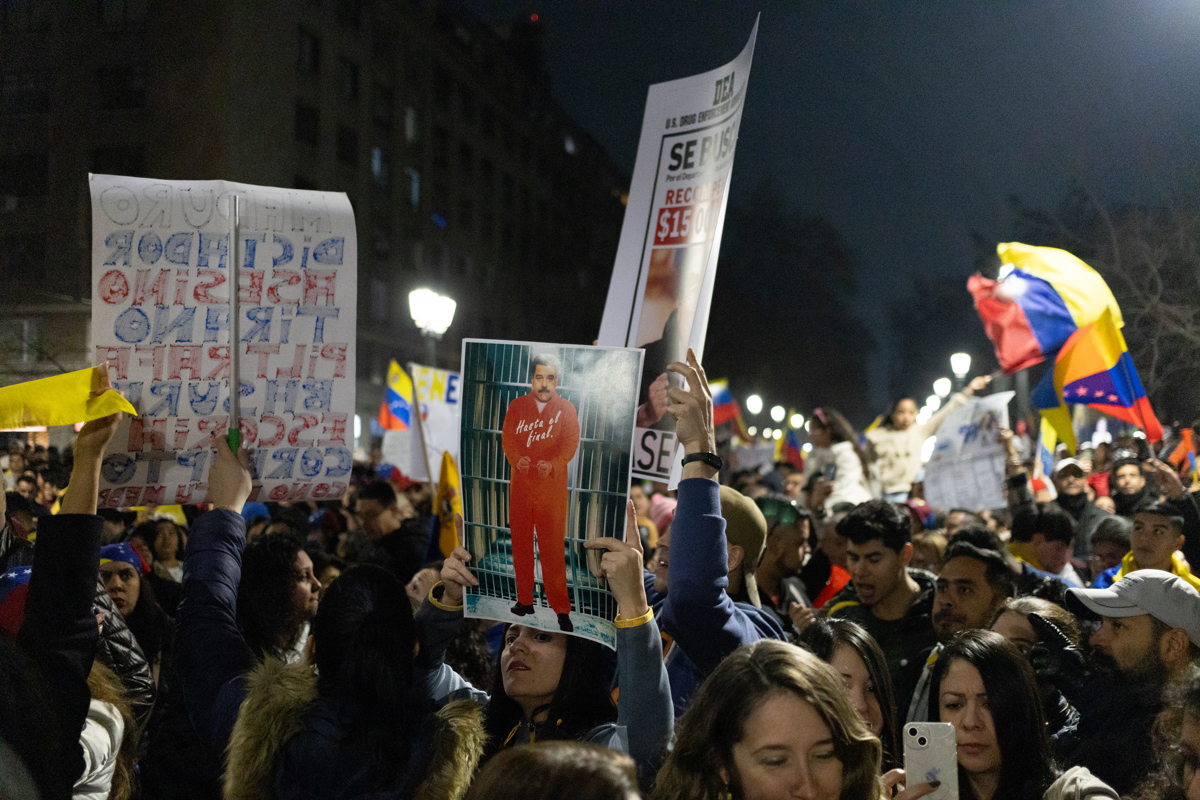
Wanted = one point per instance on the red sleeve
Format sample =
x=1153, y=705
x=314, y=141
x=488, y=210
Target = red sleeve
x=508, y=435
x=568, y=442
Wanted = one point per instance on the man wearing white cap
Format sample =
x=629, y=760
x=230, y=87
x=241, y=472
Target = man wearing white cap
x=1150, y=628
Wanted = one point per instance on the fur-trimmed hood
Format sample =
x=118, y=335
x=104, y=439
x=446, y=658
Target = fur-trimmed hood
x=278, y=697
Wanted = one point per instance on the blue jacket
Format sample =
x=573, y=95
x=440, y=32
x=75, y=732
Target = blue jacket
x=700, y=622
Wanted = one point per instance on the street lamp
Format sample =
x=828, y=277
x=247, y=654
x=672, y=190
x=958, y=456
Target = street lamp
x=777, y=413
x=754, y=404
x=942, y=387
x=960, y=365
x=433, y=314
x=797, y=421
x=934, y=402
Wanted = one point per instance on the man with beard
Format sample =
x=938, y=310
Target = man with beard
x=973, y=585
x=1127, y=485
x=1149, y=634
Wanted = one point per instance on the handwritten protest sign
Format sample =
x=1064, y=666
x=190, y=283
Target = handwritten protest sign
x=662, y=280
x=437, y=392
x=161, y=320
x=966, y=469
x=546, y=437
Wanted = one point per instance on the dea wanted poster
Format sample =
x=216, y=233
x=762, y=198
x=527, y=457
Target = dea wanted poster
x=546, y=443
x=662, y=280
x=161, y=311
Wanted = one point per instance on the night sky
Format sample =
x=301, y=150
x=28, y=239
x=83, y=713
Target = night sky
x=907, y=125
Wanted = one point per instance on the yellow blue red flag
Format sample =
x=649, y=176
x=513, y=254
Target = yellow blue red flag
x=447, y=503
x=1093, y=368
x=395, y=412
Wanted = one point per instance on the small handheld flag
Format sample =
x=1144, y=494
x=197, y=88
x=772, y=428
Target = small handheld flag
x=725, y=407
x=447, y=503
x=395, y=412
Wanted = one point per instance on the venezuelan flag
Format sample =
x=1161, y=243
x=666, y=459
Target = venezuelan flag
x=395, y=412
x=1093, y=368
x=447, y=503
x=787, y=448
x=1043, y=460
x=1047, y=296
x=725, y=407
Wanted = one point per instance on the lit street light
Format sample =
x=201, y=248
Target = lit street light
x=433, y=314
x=777, y=434
x=942, y=387
x=754, y=404
x=960, y=365
x=767, y=433
x=753, y=431
x=797, y=421
x=934, y=402
x=777, y=413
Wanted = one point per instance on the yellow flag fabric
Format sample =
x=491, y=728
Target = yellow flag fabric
x=59, y=400
x=1083, y=291
x=448, y=502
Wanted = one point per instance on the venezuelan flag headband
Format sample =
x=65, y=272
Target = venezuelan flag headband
x=124, y=552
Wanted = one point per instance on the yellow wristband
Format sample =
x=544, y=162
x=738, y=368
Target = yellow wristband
x=636, y=621
x=438, y=604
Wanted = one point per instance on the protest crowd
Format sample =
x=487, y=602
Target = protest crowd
x=777, y=631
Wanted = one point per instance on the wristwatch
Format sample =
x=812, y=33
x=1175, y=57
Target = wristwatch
x=712, y=459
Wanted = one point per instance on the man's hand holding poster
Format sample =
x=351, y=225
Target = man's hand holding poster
x=666, y=262
x=547, y=432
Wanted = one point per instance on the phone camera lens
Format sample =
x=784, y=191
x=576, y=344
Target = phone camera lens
x=922, y=741
x=912, y=731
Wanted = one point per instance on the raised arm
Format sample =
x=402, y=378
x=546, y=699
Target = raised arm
x=706, y=623
x=60, y=630
x=211, y=656
x=956, y=401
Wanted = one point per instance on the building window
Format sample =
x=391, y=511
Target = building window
x=24, y=174
x=414, y=186
x=441, y=144
x=348, y=80
x=308, y=124
x=487, y=121
x=466, y=162
x=23, y=94
x=309, y=57
x=410, y=124
x=380, y=167
x=381, y=106
x=121, y=87
x=347, y=145
x=119, y=161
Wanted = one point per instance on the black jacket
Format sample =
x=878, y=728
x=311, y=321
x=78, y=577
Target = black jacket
x=402, y=552
x=1114, y=738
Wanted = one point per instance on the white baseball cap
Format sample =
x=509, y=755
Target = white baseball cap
x=1069, y=462
x=1166, y=597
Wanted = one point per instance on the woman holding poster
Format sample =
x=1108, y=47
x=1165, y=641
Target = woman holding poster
x=554, y=686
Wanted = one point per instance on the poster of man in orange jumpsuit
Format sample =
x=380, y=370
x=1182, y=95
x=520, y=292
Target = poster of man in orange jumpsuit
x=540, y=437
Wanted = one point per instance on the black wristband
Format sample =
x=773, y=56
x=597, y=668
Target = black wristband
x=712, y=459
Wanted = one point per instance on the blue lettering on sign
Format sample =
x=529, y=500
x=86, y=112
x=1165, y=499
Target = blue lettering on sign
x=320, y=396
x=245, y=390
x=289, y=395
x=286, y=457
x=452, y=389
x=969, y=432
x=196, y=459
x=169, y=391
x=150, y=248
x=330, y=251
x=285, y=251
x=206, y=403
x=310, y=462
x=132, y=325
x=178, y=249
x=122, y=243
x=345, y=461
x=182, y=323
x=216, y=321
x=210, y=244
x=261, y=317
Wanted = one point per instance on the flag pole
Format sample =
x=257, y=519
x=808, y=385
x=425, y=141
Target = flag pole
x=234, y=435
x=433, y=482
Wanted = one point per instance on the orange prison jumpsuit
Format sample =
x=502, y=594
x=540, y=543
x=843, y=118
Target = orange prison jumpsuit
x=540, y=503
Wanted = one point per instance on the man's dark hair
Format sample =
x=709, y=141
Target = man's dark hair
x=996, y=571
x=1125, y=458
x=1113, y=530
x=543, y=360
x=1165, y=508
x=379, y=491
x=841, y=507
x=877, y=519
x=1048, y=519
x=27, y=477
x=1054, y=523
x=978, y=536
x=973, y=517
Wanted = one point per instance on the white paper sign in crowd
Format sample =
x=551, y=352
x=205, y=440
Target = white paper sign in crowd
x=666, y=262
x=161, y=320
x=966, y=469
x=438, y=395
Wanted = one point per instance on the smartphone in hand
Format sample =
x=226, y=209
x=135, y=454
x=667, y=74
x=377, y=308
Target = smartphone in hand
x=930, y=754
